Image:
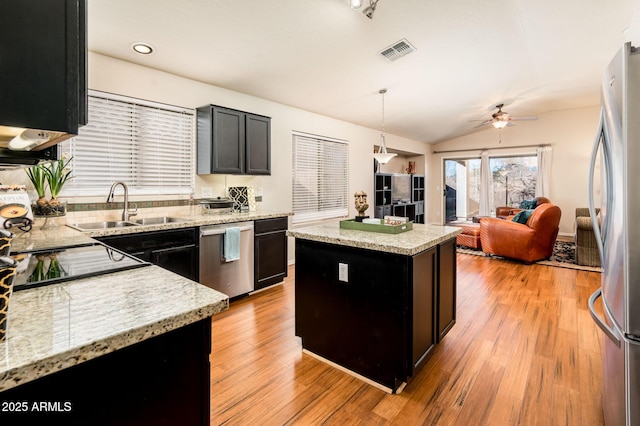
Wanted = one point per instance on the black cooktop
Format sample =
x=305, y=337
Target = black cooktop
x=43, y=267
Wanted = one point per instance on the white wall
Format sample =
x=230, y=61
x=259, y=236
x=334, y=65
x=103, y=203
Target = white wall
x=571, y=134
x=115, y=76
x=112, y=75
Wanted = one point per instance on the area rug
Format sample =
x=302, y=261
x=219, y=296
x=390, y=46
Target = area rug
x=563, y=256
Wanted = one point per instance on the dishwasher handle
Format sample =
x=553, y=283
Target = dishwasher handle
x=219, y=231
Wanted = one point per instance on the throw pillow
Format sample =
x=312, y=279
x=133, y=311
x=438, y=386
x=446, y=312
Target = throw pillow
x=522, y=216
x=528, y=204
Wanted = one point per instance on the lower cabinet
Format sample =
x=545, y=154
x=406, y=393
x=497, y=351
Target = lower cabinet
x=175, y=250
x=270, y=251
x=164, y=380
x=446, y=289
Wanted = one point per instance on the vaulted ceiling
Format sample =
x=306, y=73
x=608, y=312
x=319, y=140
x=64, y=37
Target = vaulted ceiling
x=322, y=56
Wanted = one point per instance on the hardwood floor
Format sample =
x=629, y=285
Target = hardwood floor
x=524, y=350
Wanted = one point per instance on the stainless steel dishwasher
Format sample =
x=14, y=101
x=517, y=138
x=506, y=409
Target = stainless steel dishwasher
x=233, y=278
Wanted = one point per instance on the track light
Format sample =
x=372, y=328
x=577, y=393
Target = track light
x=356, y=4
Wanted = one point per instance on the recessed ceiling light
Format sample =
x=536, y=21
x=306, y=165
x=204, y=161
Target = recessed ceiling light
x=142, y=48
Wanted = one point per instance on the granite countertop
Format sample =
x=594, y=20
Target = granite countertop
x=58, y=326
x=62, y=235
x=192, y=220
x=409, y=243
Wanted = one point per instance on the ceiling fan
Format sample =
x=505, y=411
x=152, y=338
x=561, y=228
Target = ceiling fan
x=501, y=119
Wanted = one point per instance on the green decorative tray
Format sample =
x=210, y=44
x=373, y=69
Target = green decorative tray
x=372, y=227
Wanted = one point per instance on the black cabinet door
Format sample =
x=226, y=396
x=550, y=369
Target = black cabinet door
x=446, y=291
x=270, y=251
x=43, y=68
x=258, y=145
x=175, y=250
x=423, y=322
x=181, y=260
x=270, y=259
x=228, y=141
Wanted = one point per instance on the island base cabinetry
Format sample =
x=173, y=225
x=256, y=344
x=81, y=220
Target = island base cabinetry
x=164, y=380
x=371, y=312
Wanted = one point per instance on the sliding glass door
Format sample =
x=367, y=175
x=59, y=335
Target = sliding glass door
x=462, y=189
x=513, y=179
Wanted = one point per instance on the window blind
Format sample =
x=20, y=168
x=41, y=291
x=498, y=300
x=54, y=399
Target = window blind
x=320, y=178
x=148, y=146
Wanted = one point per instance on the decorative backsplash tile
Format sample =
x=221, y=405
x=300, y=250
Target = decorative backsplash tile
x=240, y=197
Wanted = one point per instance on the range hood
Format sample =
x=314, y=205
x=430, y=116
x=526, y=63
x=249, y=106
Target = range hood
x=21, y=147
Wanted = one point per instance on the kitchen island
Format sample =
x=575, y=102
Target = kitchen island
x=375, y=304
x=129, y=347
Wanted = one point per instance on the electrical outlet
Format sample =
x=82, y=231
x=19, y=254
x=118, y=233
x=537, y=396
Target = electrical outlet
x=343, y=272
x=260, y=194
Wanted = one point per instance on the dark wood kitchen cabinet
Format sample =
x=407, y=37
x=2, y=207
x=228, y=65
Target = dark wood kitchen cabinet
x=446, y=288
x=43, y=65
x=175, y=250
x=232, y=142
x=270, y=251
x=164, y=380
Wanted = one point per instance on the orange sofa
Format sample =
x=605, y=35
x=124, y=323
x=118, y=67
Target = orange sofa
x=528, y=242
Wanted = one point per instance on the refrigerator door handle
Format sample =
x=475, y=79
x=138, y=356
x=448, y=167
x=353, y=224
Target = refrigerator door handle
x=603, y=326
x=592, y=210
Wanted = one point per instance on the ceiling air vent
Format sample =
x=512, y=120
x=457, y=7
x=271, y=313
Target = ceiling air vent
x=397, y=50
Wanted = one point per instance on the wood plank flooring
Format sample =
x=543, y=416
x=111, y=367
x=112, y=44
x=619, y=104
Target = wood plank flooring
x=524, y=351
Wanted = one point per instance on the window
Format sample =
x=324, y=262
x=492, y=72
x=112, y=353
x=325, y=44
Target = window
x=147, y=145
x=320, y=177
x=514, y=179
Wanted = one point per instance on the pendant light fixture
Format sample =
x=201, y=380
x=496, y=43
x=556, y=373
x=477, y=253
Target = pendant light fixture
x=382, y=156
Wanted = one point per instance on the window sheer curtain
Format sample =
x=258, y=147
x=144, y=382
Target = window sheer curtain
x=543, y=182
x=486, y=185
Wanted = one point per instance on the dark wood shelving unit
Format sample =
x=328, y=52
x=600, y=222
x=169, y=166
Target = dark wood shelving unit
x=384, y=205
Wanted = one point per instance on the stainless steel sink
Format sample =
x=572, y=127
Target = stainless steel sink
x=101, y=225
x=160, y=220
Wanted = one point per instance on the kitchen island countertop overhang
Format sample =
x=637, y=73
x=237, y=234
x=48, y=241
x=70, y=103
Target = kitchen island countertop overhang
x=409, y=243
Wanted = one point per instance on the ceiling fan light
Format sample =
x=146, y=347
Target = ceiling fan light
x=500, y=124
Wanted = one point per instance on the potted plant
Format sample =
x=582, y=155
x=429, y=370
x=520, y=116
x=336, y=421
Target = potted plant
x=57, y=174
x=38, y=178
x=54, y=175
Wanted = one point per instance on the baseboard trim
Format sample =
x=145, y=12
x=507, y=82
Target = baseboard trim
x=354, y=374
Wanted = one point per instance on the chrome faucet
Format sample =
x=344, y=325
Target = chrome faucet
x=125, y=211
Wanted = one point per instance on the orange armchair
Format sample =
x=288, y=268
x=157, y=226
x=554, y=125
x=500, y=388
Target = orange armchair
x=528, y=242
x=505, y=212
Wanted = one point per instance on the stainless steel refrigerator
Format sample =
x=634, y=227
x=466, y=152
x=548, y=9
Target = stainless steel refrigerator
x=617, y=146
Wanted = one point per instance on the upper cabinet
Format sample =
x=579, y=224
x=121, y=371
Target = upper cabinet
x=232, y=142
x=43, y=66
